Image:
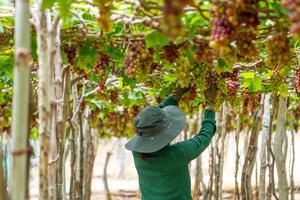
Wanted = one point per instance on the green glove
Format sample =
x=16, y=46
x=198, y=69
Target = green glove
x=178, y=92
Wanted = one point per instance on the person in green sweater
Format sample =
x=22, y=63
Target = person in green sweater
x=163, y=168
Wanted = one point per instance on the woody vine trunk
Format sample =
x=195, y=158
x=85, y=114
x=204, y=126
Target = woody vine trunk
x=263, y=147
x=246, y=188
x=279, y=150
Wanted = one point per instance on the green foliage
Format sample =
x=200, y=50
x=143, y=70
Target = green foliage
x=156, y=39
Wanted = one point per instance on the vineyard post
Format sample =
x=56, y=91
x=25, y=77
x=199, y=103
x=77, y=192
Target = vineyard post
x=21, y=102
x=263, y=146
x=278, y=142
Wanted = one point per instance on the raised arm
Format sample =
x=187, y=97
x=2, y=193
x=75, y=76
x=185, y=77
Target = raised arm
x=193, y=147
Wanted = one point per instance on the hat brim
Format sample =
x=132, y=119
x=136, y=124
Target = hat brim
x=175, y=121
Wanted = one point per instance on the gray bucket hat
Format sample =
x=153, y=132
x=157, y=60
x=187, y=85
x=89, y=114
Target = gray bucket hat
x=155, y=128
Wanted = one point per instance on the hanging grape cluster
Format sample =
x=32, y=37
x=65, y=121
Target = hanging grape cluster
x=170, y=53
x=251, y=100
x=232, y=83
x=204, y=53
x=212, y=78
x=103, y=61
x=294, y=17
x=173, y=11
x=71, y=52
x=138, y=59
x=224, y=24
x=297, y=82
x=184, y=71
x=278, y=51
x=190, y=95
x=245, y=46
x=248, y=13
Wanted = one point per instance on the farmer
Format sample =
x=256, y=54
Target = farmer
x=163, y=168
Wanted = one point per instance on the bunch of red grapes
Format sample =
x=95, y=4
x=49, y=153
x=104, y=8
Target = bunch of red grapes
x=204, y=53
x=190, y=96
x=297, y=82
x=248, y=13
x=170, y=53
x=114, y=96
x=71, y=52
x=138, y=59
x=224, y=24
x=233, y=76
x=293, y=7
x=251, y=100
x=278, y=49
x=232, y=82
x=103, y=60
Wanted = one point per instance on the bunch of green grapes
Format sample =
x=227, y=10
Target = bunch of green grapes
x=278, y=51
x=184, y=71
x=138, y=59
x=245, y=45
x=213, y=79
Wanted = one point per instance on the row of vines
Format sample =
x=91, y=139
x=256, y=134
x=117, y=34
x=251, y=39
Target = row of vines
x=83, y=69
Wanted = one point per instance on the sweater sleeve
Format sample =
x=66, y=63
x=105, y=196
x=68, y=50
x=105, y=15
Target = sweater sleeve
x=193, y=147
x=168, y=102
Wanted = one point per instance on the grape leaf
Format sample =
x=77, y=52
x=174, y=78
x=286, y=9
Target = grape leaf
x=113, y=52
x=222, y=66
x=156, y=39
x=257, y=83
x=47, y=4
x=247, y=75
x=283, y=90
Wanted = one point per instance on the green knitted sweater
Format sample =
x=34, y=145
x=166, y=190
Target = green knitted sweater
x=164, y=175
